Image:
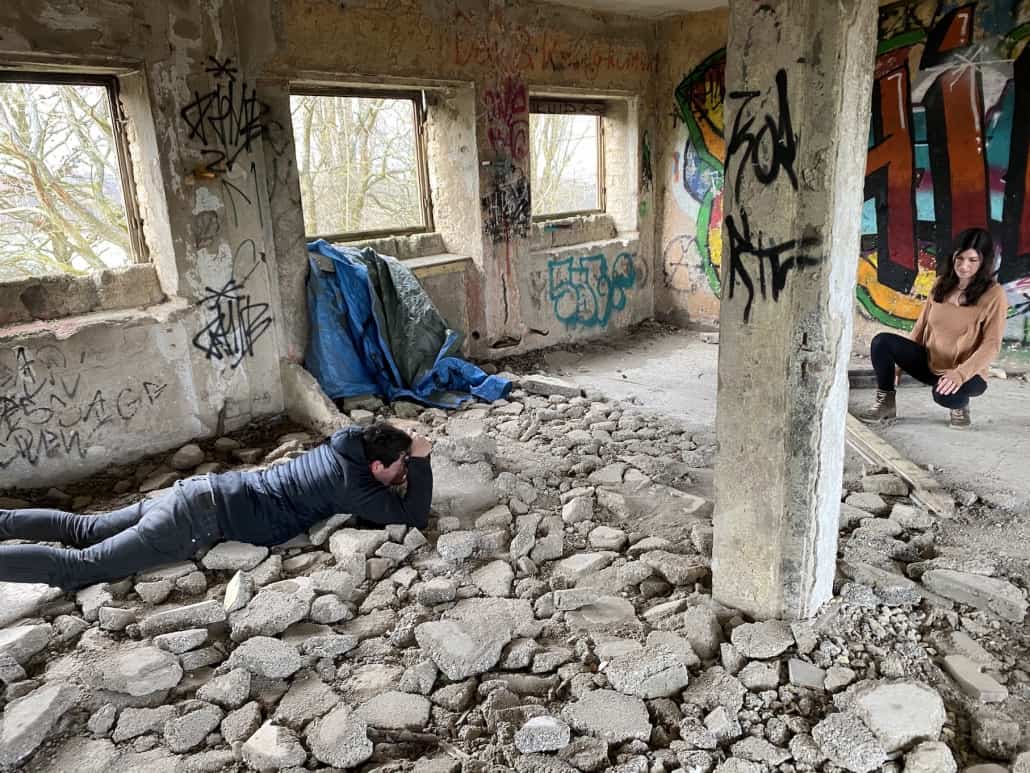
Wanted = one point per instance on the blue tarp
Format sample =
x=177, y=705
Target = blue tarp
x=374, y=330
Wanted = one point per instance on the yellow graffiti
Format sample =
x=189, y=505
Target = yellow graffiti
x=901, y=305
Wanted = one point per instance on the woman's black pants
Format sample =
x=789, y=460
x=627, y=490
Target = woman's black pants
x=890, y=350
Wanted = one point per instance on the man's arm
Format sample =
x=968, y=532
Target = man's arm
x=379, y=504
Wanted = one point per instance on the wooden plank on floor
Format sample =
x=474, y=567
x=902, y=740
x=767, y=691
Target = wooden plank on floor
x=925, y=489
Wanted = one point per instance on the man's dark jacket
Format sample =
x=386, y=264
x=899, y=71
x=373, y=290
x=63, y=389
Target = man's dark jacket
x=271, y=506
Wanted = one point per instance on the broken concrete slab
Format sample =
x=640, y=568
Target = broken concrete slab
x=997, y=596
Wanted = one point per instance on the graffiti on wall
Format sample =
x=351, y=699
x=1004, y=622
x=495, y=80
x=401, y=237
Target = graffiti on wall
x=46, y=412
x=235, y=321
x=229, y=119
x=585, y=293
x=947, y=151
x=508, y=119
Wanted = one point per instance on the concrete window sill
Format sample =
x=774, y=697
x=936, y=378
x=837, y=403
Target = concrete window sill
x=569, y=231
x=58, y=297
x=66, y=327
x=435, y=265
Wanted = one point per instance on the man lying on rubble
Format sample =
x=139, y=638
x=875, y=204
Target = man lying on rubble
x=352, y=472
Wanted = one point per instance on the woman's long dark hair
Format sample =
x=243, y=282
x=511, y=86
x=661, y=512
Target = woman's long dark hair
x=971, y=239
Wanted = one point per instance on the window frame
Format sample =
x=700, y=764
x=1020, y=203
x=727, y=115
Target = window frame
x=138, y=252
x=417, y=97
x=593, y=107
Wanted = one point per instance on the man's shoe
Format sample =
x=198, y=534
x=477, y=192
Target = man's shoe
x=885, y=408
x=960, y=418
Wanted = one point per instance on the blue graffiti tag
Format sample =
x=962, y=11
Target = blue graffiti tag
x=586, y=294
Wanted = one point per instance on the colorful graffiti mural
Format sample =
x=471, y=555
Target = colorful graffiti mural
x=584, y=292
x=947, y=150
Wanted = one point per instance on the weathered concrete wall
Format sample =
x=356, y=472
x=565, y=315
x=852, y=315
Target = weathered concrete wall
x=205, y=86
x=947, y=152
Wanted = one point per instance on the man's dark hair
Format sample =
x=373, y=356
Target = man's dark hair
x=384, y=443
x=947, y=280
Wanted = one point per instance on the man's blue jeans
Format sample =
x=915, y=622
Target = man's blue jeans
x=168, y=528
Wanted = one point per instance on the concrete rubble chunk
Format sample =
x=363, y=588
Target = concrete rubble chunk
x=394, y=710
x=364, y=542
x=274, y=609
x=133, y=723
x=973, y=681
x=18, y=600
x=847, y=742
x=676, y=644
x=930, y=757
x=187, y=457
x=230, y=690
x=997, y=596
x=28, y=720
x=179, y=642
x=871, y=503
x=582, y=564
x=603, y=612
x=803, y=674
x=912, y=518
x=307, y=699
x=677, y=569
x=182, y=618
x=886, y=484
x=457, y=546
x=995, y=734
x=234, y=556
x=266, y=657
x=655, y=672
x=462, y=650
x=340, y=738
x=700, y=626
x=191, y=729
x=609, y=715
x=762, y=640
x=758, y=675
x=542, y=734
x=578, y=510
x=24, y=641
x=900, y=713
x=760, y=750
x=273, y=748
x=494, y=579
x=538, y=384
x=135, y=671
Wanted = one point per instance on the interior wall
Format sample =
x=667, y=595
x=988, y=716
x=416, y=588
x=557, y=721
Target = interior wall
x=951, y=125
x=206, y=88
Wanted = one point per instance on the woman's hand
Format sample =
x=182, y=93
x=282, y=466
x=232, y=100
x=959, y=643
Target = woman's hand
x=948, y=384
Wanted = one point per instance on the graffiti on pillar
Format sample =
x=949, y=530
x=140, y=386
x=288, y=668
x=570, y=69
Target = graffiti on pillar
x=646, y=170
x=583, y=291
x=947, y=150
x=762, y=145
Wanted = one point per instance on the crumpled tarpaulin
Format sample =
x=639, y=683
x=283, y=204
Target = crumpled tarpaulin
x=374, y=330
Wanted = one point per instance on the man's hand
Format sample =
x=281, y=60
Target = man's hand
x=420, y=446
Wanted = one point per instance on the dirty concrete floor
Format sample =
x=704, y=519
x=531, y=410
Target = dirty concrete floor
x=670, y=371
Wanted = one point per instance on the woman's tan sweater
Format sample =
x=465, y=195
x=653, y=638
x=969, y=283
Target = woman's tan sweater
x=962, y=341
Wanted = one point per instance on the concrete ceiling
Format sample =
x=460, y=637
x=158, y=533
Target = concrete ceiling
x=647, y=9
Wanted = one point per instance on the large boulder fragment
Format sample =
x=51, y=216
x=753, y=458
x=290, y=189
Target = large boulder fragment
x=18, y=600
x=462, y=650
x=267, y=657
x=997, y=596
x=901, y=713
x=273, y=610
x=24, y=641
x=654, y=672
x=762, y=640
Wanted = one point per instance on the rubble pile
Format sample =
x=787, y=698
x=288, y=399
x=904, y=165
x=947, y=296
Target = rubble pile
x=556, y=617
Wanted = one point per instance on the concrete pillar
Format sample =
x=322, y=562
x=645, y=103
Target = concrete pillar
x=798, y=83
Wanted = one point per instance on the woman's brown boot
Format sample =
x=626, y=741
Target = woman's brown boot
x=883, y=409
x=960, y=418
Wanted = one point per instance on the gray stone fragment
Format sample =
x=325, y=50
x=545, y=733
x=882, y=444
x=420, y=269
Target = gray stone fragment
x=995, y=734
x=273, y=610
x=187, y=457
x=234, y=556
x=154, y=593
x=229, y=690
x=135, y=671
x=241, y=724
x=976, y=684
x=364, y=542
x=394, y=710
x=701, y=628
x=930, y=757
x=762, y=640
x=885, y=484
x=273, y=748
x=494, y=579
x=101, y=722
x=420, y=678
x=998, y=596
x=655, y=672
x=115, y=618
x=677, y=569
x=181, y=618
x=587, y=754
x=307, y=699
x=609, y=715
x=461, y=650
x=607, y=538
x=28, y=720
x=238, y=592
x=179, y=642
x=901, y=713
x=578, y=510
x=760, y=750
x=457, y=546
x=542, y=734
x=190, y=730
x=329, y=609
x=439, y=590
x=136, y=722
x=266, y=657
x=804, y=674
x=758, y=676
x=340, y=738
x=24, y=641
x=538, y=384
x=847, y=742
x=676, y=644
x=871, y=503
